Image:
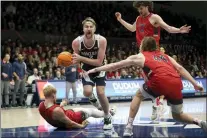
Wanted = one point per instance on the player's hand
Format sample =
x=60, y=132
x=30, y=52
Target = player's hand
x=118, y=16
x=185, y=29
x=63, y=103
x=89, y=72
x=84, y=123
x=76, y=58
x=4, y=75
x=198, y=88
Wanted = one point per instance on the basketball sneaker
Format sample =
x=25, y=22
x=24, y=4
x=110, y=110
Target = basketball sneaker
x=203, y=125
x=107, y=123
x=128, y=131
x=95, y=102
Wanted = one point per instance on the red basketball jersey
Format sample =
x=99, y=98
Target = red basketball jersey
x=144, y=28
x=47, y=115
x=158, y=67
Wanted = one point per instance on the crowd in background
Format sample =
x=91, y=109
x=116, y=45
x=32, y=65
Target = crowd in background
x=61, y=18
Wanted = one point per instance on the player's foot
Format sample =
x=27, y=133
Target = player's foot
x=112, y=111
x=128, y=131
x=107, y=123
x=154, y=113
x=157, y=112
x=203, y=125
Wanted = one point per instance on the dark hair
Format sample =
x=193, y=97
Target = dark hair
x=137, y=4
x=149, y=44
x=89, y=19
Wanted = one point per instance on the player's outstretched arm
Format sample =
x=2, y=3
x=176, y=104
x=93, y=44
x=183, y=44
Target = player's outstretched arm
x=59, y=115
x=137, y=60
x=130, y=27
x=171, y=29
x=185, y=74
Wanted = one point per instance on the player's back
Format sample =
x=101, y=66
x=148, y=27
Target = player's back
x=145, y=28
x=158, y=65
x=47, y=114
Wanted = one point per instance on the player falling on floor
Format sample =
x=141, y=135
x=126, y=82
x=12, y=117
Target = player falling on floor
x=90, y=50
x=155, y=63
x=149, y=24
x=57, y=116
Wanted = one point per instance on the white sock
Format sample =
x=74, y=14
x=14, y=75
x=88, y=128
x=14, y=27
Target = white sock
x=92, y=97
x=107, y=115
x=130, y=122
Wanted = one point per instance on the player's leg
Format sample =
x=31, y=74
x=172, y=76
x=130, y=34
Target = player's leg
x=90, y=112
x=158, y=108
x=134, y=107
x=88, y=92
x=68, y=87
x=74, y=92
x=100, y=88
x=177, y=114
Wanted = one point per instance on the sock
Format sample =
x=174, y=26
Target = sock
x=107, y=115
x=130, y=122
x=196, y=121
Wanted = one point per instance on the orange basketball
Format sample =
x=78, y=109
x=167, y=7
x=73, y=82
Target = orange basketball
x=64, y=59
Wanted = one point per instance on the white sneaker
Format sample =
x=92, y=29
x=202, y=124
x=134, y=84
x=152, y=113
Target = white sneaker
x=203, y=125
x=107, y=123
x=128, y=131
x=95, y=103
x=157, y=112
x=112, y=111
x=154, y=115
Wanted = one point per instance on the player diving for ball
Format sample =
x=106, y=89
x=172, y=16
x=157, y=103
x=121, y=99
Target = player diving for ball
x=58, y=117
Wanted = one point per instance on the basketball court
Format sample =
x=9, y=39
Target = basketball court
x=27, y=123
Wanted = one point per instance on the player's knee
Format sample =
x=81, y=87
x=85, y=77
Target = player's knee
x=139, y=95
x=100, y=93
x=87, y=93
x=175, y=116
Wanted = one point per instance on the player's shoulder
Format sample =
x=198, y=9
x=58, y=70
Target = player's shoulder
x=100, y=38
x=76, y=40
x=155, y=16
x=57, y=110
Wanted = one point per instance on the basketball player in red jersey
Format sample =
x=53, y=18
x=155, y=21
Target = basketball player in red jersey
x=149, y=24
x=154, y=63
x=58, y=117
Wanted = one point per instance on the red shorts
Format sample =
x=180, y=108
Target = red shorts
x=170, y=87
x=77, y=117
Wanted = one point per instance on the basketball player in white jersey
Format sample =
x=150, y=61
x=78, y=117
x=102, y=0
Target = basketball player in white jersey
x=89, y=49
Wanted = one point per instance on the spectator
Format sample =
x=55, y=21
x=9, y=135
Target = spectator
x=6, y=77
x=47, y=76
x=19, y=74
x=59, y=76
x=162, y=50
x=117, y=75
x=71, y=78
x=124, y=74
x=33, y=77
x=110, y=75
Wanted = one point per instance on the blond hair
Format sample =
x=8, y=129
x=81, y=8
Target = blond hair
x=49, y=90
x=89, y=19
